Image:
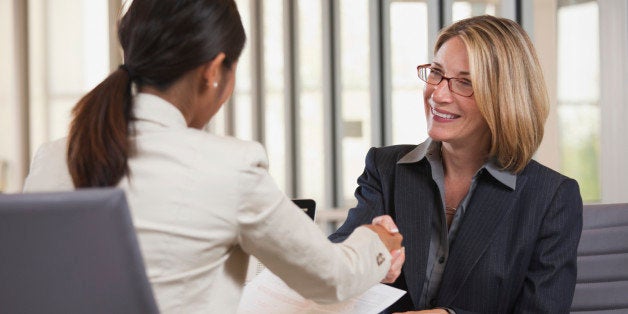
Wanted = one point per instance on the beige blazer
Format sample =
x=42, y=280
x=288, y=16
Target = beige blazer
x=201, y=204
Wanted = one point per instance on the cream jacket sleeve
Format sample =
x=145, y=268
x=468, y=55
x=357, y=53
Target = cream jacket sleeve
x=48, y=169
x=287, y=242
x=265, y=224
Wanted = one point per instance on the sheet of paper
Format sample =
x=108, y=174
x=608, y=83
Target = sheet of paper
x=267, y=293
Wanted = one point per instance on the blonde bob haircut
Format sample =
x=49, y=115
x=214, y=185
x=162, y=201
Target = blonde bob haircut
x=508, y=85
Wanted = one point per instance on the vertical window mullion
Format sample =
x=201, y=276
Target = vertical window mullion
x=436, y=16
x=331, y=74
x=519, y=11
x=115, y=57
x=257, y=53
x=23, y=96
x=385, y=69
x=291, y=86
x=445, y=12
x=376, y=43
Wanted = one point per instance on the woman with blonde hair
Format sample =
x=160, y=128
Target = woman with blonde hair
x=486, y=228
x=201, y=203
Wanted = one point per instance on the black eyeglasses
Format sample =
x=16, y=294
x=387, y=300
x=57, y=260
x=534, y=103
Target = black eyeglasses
x=456, y=85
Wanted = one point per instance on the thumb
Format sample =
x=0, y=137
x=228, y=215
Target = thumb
x=386, y=222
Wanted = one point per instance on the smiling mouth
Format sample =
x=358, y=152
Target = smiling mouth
x=444, y=115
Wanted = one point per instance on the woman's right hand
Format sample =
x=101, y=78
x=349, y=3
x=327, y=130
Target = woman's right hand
x=389, y=234
x=387, y=231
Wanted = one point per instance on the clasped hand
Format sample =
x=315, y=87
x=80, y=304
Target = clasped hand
x=389, y=234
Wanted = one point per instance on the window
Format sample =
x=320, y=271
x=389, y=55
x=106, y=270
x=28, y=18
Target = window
x=578, y=95
x=275, y=116
x=68, y=57
x=242, y=107
x=311, y=107
x=464, y=9
x=355, y=90
x=409, y=46
x=12, y=152
x=319, y=82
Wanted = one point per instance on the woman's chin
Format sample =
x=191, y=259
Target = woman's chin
x=438, y=135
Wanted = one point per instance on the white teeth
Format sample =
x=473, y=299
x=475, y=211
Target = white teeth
x=443, y=115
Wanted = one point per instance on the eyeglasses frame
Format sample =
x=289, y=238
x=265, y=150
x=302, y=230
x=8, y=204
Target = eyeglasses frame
x=448, y=79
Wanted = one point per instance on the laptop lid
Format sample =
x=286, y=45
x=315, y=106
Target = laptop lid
x=308, y=206
x=71, y=252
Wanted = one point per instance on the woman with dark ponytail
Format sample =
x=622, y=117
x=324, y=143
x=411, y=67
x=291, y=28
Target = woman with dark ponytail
x=201, y=203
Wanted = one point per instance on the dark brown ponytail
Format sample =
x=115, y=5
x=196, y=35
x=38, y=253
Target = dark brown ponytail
x=162, y=40
x=98, y=143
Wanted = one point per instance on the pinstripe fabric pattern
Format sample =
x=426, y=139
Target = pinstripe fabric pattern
x=515, y=251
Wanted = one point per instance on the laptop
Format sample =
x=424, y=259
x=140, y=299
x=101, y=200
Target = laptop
x=71, y=252
x=308, y=206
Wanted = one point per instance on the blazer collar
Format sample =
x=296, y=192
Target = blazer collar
x=417, y=153
x=154, y=109
x=506, y=178
x=413, y=215
x=503, y=176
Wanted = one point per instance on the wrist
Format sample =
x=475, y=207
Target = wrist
x=446, y=309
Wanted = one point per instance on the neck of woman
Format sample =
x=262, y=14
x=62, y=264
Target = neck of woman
x=463, y=161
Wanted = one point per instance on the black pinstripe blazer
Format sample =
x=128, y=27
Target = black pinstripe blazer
x=515, y=250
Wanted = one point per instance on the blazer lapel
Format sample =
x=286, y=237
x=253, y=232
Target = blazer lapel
x=490, y=202
x=412, y=199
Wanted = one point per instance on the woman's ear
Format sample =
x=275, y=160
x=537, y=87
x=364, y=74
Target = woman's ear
x=213, y=71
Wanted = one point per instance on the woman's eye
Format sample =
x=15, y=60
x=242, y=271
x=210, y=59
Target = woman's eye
x=465, y=82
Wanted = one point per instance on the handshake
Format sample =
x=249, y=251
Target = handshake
x=389, y=234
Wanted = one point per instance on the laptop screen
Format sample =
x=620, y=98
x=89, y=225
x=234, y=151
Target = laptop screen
x=308, y=206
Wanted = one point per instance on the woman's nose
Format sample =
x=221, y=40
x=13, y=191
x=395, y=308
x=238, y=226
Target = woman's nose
x=441, y=92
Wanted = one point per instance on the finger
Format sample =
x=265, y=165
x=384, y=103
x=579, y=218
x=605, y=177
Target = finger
x=397, y=263
x=399, y=257
x=386, y=222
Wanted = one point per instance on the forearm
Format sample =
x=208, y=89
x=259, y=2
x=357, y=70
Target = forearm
x=296, y=250
x=370, y=200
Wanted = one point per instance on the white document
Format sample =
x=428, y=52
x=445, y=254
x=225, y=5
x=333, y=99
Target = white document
x=267, y=293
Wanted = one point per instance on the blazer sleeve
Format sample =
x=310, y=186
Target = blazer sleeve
x=288, y=243
x=370, y=199
x=551, y=278
x=49, y=169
